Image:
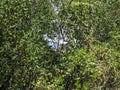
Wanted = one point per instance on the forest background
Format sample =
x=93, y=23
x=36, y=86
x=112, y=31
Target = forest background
x=59, y=44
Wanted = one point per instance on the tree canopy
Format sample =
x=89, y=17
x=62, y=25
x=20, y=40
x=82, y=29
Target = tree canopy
x=59, y=44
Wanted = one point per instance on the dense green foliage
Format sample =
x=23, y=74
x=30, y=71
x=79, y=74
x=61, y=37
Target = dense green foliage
x=90, y=59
